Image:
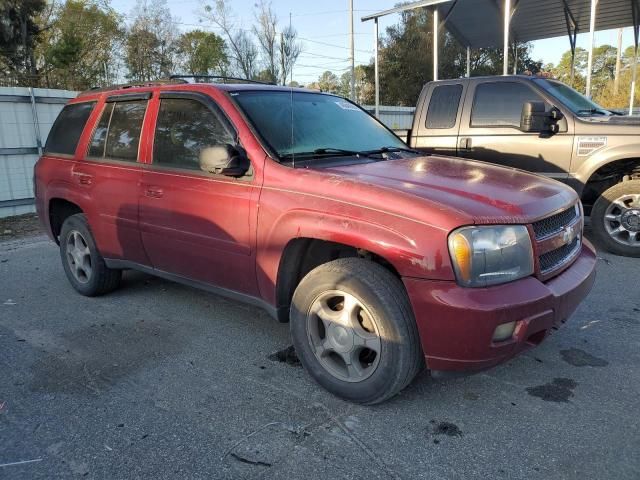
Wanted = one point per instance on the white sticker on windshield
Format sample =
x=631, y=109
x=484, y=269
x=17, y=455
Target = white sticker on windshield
x=347, y=106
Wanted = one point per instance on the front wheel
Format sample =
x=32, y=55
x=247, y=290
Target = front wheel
x=615, y=219
x=354, y=331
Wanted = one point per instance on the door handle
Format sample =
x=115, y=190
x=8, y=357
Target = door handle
x=464, y=143
x=154, y=192
x=83, y=178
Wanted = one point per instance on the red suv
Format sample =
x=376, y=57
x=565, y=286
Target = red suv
x=383, y=260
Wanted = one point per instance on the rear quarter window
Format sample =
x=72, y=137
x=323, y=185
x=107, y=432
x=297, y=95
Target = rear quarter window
x=443, y=106
x=66, y=130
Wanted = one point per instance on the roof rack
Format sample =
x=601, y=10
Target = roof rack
x=204, y=78
x=124, y=86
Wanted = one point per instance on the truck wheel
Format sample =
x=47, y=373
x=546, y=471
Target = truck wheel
x=615, y=219
x=353, y=329
x=83, y=264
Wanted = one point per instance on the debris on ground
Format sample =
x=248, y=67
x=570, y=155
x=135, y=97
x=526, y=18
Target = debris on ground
x=19, y=226
x=286, y=355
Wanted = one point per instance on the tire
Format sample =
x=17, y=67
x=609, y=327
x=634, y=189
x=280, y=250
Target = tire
x=373, y=305
x=84, y=266
x=618, y=210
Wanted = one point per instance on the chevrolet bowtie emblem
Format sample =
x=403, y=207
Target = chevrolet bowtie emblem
x=568, y=234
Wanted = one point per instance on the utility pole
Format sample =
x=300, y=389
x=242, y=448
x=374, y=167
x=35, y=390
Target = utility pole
x=291, y=72
x=352, y=93
x=616, y=78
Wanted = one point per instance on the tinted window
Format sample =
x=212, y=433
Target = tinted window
x=500, y=104
x=183, y=129
x=123, y=136
x=100, y=135
x=66, y=130
x=443, y=106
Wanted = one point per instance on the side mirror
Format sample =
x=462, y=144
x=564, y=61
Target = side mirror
x=224, y=160
x=535, y=118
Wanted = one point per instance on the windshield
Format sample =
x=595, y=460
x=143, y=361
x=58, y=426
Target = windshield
x=575, y=101
x=313, y=124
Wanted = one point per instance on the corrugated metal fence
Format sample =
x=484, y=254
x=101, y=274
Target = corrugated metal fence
x=397, y=118
x=26, y=116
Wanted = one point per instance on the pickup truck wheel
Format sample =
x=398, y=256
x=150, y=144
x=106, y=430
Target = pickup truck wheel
x=354, y=331
x=615, y=219
x=83, y=264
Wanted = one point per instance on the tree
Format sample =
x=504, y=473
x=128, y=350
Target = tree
x=363, y=88
x=241, y=48
x=19, y=32
x=151, y=41
x=202, y=53
x=290, y=50
x=79, y=47
x=266, y=33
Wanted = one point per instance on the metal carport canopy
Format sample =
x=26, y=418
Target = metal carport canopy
x=491, y=23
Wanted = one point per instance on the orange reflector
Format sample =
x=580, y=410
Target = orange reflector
x=462, y=254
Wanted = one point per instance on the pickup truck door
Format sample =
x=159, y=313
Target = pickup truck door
x=437, y=120
x=194, y=224
x=490, y=131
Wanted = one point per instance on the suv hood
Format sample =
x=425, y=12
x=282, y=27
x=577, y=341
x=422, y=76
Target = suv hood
x=483, y=192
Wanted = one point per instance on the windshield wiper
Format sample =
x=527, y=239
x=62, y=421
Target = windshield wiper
x=391, y=149
x=592, y=111
x=326, y=151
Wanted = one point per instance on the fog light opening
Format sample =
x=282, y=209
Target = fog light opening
x=504, y=332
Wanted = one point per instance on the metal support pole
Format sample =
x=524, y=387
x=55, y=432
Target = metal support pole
x=375, y=54
x=592, y=27
x=635, y=10
x=616, y=77
x=515, y=58
x=352, y=90
x=36, y=123
x=435, y=43
x=468, y=62
x=572, y=31
x=507, y=20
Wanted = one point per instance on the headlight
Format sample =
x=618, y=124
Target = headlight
x=490, y=255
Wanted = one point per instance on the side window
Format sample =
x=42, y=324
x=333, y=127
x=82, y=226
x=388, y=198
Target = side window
x=117, y=135
x=66, y=130
x=184, y=128
x=499, y=104
x=443, y=106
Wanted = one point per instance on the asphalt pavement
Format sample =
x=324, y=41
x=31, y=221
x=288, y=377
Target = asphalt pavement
x=158, y=380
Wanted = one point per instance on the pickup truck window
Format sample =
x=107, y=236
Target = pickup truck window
x=575, y=101
x=183, y=129
x=118, y=133
x=66, y=130
x=443, y=106
x=499, y=104
x=295, y=123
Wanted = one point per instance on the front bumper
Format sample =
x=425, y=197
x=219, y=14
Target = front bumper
x=456, y=324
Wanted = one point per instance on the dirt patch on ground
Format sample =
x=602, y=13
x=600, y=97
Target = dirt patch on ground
x=20, y=226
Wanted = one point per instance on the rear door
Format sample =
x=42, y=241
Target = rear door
x=490, y=129
x=110, y=175
x=195, y=224
x=437, y=122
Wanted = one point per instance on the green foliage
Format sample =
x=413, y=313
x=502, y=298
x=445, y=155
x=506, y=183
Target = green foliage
x=19, y=33
x=202, y=53
x=79, y=47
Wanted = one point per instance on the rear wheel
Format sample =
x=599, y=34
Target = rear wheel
x=84, y=266
x=615, y=219
x=354, y=331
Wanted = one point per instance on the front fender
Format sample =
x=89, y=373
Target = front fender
x=413, y=248
x=616, y=151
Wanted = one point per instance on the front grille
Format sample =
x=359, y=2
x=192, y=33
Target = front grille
x=560, y=256
x=555, y=223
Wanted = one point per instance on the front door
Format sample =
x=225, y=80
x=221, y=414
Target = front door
x=196, y=224
x=490, y=130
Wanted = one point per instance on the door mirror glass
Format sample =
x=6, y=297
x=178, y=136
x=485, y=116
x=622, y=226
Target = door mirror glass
x=224, y=160
x=535, y=118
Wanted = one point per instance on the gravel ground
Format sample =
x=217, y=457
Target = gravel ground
x=158, y=380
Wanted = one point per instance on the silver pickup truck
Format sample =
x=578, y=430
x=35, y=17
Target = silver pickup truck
x=542, y=126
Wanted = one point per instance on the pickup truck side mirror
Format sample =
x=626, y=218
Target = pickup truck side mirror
x=535, y=118
x=225, y=159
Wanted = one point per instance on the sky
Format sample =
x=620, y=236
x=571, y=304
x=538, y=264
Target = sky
x=323, y=28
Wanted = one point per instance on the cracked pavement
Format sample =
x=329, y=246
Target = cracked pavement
x=159, y=380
